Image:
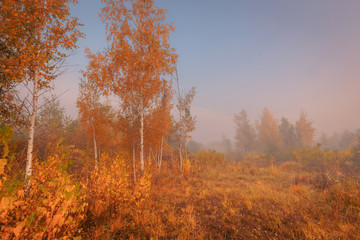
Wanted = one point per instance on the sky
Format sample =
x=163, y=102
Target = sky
x=288, y=56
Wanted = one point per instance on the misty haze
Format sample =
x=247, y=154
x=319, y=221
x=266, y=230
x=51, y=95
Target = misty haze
x=156, y=119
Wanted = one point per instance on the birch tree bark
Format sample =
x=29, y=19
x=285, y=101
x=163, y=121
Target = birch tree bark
x=161, y=153
x=95, y=147
x=30, y=148
x=141, y=132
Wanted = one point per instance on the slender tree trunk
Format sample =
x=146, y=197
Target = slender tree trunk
x=172, y=159
x=95, y=147
x=28, y=169
x=181, y=123
x=151, y=156
x=99, y=154
x=161, y=152
x=180, y=157
x=185, y=150
x=133, y=159
x=142, y=164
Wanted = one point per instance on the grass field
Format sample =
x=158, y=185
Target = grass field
x=242, y=201
x=212, y=199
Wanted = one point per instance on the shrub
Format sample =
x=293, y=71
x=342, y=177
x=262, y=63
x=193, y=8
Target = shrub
x=315, y=159
x=112, y=198
x=50, y=207
x=209, y=158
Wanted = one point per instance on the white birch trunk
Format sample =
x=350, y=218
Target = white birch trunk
x=180, y=156
x=95, y=146
x=180, y=123
x=28, y=169
x=141, y=130
x=161, y=151
x=134, y=169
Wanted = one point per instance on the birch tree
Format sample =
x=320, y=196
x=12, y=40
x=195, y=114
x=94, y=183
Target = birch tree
x=186, y=122
x=159, y=126
x=137, y=60
x=37, y=32
x=90, y=116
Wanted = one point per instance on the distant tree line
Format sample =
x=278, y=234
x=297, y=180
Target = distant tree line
x=340, y=141
x=270, y=136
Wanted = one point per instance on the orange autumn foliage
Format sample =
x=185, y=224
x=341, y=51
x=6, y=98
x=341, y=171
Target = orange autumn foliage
x=158, y=125
x=112, y=198
x=137, y=61
x=97, y=118
x=36, y=33
x=52, y=206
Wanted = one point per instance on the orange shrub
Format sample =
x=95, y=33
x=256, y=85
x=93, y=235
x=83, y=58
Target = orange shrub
x=50, y=207
x=113, y=198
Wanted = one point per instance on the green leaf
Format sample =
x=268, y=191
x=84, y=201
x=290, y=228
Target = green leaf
x=69, y=195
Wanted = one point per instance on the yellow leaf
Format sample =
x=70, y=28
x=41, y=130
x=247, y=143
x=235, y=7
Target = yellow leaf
x=55, y=220
x=18, y=228
x=5, y=202
x=21, y=193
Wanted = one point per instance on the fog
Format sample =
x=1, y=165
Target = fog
x=286, y=56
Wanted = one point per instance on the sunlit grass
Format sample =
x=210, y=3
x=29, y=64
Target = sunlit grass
x=239, y=201
x=215, y=200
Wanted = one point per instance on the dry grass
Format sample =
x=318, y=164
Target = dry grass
x=221, y=200
x=240, y=201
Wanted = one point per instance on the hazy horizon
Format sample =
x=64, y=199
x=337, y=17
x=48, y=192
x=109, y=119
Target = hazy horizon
x=286, y=56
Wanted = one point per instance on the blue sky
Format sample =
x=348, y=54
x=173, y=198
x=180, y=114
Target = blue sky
x=286, y=55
